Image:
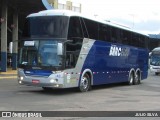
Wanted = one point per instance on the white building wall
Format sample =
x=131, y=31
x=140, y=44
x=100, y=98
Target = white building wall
x=66, y=5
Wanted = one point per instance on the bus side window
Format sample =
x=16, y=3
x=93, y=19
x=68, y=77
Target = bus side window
x=142, y=41
x=115, y=35
x=92, y=28
x=104, y=32
x=126, y=37
x=84, y=29
x=139, y=40
x=146, y=42
x=72, y=52
x=73, y=48
x=75, y=29
x=135, y=40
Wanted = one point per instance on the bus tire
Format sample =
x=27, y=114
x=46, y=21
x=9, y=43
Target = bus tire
x=85, y=83
x=131, y=78
x=137, y=78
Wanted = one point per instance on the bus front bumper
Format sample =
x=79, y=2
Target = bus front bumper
x=155, y=69
x=38, y=83
x=41, y=84
x=51, y=82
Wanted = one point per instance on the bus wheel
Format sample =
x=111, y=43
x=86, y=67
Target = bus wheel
x=85, y=83
x=137, y=79
x=131, y=79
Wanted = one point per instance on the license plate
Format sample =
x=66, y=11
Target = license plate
x=35, y=81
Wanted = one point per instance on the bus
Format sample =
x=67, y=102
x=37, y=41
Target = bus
x=63, y=49
x=155, y=61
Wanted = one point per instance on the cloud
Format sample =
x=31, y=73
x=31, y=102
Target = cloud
x=141, y=15
x=149, y=26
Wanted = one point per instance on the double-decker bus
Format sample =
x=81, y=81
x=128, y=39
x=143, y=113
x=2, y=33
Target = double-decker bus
x=155, y=61
x=63, y=49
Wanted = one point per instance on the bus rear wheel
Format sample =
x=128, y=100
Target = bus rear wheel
x=85, y=83
x=137, y=79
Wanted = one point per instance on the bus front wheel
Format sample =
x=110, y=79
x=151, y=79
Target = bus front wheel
x=85, y=83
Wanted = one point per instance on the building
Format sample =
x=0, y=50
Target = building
x=12, y=16
x=65, y=4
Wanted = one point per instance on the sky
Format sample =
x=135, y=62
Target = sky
x=140, y=15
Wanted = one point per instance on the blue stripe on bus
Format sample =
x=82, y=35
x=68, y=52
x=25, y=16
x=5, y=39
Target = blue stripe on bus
x=37, y=72
x=112, y=69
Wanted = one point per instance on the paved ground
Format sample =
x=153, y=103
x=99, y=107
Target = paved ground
x=117, y=97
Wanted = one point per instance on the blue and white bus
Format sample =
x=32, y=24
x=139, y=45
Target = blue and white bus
x=63, y=49
x=155, y=61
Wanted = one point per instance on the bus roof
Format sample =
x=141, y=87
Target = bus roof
x=56, y=12
x=156, y=49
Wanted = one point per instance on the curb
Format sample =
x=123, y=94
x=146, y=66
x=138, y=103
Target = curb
x=8, y=74
x=7, y=77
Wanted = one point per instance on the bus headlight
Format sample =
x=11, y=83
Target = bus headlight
x=21, y=78
x=55, y=81
x=20, y=82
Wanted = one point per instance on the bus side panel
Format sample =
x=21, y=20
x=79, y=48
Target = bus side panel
x=115, y=68
x=143, y=62
x=105, y=68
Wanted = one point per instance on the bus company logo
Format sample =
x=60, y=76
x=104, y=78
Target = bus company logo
x=119, y=51
x=6, y=114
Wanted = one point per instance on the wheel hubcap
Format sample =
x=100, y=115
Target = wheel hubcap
x=131, y=79
x=136, y=78
x=84, y=83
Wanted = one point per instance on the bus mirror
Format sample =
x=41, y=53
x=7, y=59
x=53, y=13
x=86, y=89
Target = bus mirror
x=60, y=49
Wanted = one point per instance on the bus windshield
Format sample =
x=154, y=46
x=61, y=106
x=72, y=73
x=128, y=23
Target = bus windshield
x=155, y=58
x=48, y=26
x=41, y=53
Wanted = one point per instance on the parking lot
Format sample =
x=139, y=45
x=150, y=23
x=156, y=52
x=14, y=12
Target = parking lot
x=114, y=97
